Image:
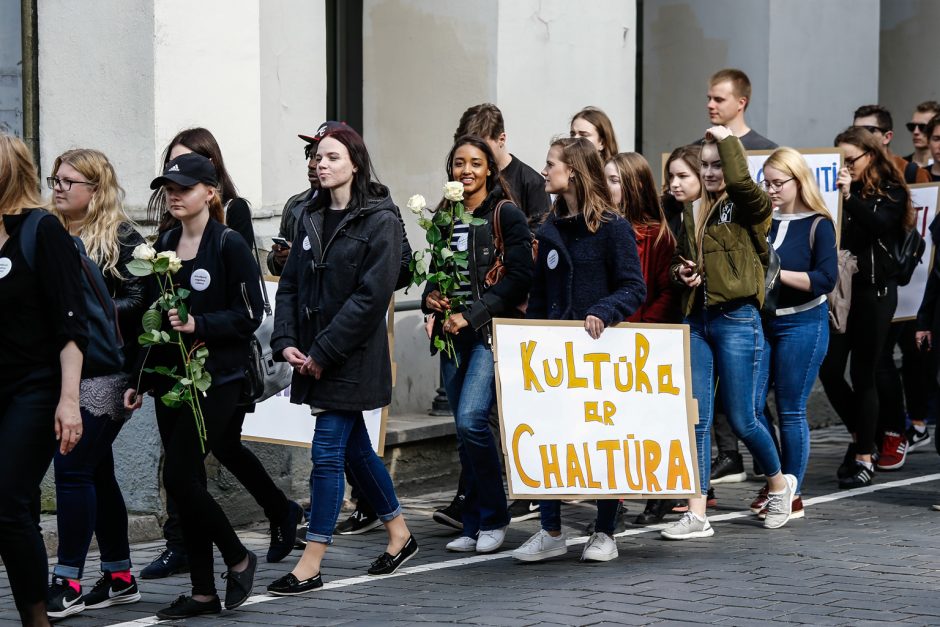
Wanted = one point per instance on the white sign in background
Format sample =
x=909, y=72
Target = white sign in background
x=279, y=421
x=924, y=198
x=551, y=425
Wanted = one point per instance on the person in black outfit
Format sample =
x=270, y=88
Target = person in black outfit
x=876, y=206
x=283, y=514
x=42, y=340
x=225, y=308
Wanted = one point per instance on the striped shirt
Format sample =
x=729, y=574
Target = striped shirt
x=460, y=242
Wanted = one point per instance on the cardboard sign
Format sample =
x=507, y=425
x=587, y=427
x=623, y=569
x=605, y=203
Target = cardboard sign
x=278, y=421
x=583, y=418
x=924, y=197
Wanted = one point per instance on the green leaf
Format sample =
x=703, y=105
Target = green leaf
x=171, y=399
x=186, y=381
x=204, y=382
x=476, y=221
x=462, y=263
x=151, y=320
x=202, y=352
x=446, y=253
x=161, y=265
x=170, y=372
x=424, y=223
x=182, y=292
x=433, y=235
x=182, y=311
x=438, y=343
x=421, y=267
x=165, y=336
x=139, y=267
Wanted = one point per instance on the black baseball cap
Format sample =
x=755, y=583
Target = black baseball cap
x=187, y=170
x=325, y=128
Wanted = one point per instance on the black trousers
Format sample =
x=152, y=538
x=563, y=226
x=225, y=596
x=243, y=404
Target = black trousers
x=202, y=521
x=244, y=466
x=908, y=388
x=864, y=340
x=27, y=444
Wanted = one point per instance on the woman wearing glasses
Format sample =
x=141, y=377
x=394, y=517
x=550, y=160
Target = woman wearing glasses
x=88, y=201
x=876, y=207
x=796, y=335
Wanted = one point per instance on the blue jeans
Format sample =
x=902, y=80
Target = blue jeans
x=727, y=343
x=550, y=515
x=794, y=348
x=471, y=392
x=89, y=500
x=340, y=440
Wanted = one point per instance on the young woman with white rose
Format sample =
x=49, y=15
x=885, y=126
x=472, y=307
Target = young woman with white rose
x=468, y=376
x=225, y=307
x=88, y=201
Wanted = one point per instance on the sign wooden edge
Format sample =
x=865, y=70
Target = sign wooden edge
x=690, y=403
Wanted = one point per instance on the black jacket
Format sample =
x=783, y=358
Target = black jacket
x=928, y=315
x=290, y=223
x=226, y=313
x=580, y=274
x=128, y=292
x=871, y=227
x=500, y=300
x=331, y=305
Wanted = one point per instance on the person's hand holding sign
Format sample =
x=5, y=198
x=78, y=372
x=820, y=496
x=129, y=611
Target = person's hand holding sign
x=594, y=326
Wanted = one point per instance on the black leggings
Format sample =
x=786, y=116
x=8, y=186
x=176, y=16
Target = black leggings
x=184, y=476
x=868, y=325
x=27, y=444
x=908, y=388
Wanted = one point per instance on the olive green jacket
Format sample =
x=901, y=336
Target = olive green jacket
x=734, y=250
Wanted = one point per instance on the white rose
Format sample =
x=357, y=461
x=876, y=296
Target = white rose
x=416, y=204
x=175, y=262
x=145, y=252
x=453, y=190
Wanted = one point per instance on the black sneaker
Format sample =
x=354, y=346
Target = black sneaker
x=170, y=562
x=282, y=534
x=728, y=467
x=238, y=585
x=358, y=522
x=452, y=515
x=916, y=439
x=523, y=510
x=62, y=600
x=289, y=585
x=185, y=607
x=387, y=564
x=859, y=479
x=109, y=591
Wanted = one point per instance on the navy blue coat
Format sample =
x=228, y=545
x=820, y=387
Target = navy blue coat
x=580, y=274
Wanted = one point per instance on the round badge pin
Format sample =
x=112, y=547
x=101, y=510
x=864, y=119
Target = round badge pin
x=200, y=279
x=5, y=266
x=552, y=259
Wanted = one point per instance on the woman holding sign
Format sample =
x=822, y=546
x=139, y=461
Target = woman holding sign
x=718, y=261
x=587, y=269
x=875, y=205
x=796, y=334
x=469, y=377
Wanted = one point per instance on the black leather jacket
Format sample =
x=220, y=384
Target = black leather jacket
x=128, y=292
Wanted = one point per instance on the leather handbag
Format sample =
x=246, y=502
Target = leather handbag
x=498, y=270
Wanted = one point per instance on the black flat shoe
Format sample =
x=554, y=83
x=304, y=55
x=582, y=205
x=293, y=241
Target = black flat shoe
x=289, y=585
x=656, y=510
x=387, y=564
x=282, y=534
x=238, y=585
x=186, y=607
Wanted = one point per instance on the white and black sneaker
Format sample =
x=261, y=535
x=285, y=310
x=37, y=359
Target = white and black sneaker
x=110, y=591
x=523, y=510
x=917, y=439
x=861, y=478
x=63, y=600
x=452, y=515
x=358, y=522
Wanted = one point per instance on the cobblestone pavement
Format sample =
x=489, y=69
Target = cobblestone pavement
x=869, y=556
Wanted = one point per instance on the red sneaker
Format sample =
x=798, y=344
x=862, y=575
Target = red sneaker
x=758, y=504
x=893, y=451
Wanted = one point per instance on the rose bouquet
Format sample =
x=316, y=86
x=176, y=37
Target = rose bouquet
x=194, y=378
x=437, y=262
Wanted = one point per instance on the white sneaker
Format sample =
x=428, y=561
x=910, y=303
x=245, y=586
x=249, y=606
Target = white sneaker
x=688, y=527
x=780, y=505
x=600, y=548
x=541, y=546
x=463, y=544
x=489, y=541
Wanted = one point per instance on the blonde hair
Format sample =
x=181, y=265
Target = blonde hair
x=105, y=212
x=791, y=162
x=19, y=181
x=591, y=192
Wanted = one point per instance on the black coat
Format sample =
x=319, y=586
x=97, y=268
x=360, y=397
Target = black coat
x=226, y=313
x=871, y=227
x=928, y=315
x=500, y=300
x=332, y=301
x=580, y=274
x=129, y=292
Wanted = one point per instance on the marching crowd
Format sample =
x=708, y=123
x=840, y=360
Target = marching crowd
x=774, y=291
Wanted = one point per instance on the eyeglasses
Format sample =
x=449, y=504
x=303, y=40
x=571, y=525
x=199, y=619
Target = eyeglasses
x=872, y=129
x=920, y=126
x=65, y=184
x=850, y=162
x=775, y=185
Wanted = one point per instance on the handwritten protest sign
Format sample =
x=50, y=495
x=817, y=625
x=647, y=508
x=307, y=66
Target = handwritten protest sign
x=583, y=418
x=924, y=197
x=278, y=421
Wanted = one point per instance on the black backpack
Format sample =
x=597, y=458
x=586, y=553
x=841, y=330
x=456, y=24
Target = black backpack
x=103, y=356
x=908, y=255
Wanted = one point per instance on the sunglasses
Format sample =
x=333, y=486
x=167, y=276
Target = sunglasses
x=920, y=126
x=850, y=162
x=873, y=129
